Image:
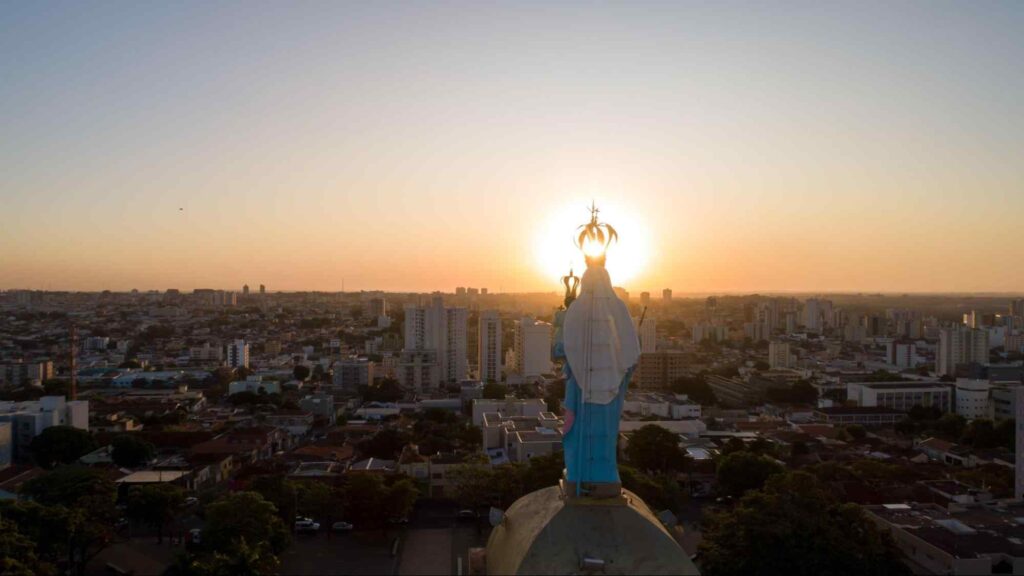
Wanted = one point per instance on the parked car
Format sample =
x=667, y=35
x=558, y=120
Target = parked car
x=465, y=515
x=190, y=501
x=306, y=525
x=342, y=526
x=397, y=520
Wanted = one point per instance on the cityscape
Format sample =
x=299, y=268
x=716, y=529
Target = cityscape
x=436, y=288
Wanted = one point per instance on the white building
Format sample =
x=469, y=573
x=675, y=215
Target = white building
x=351, y=373
x=442, y=331
x=508, y=407
x=713, y=332
x=960, y=345
x=29, y=419
x=17, y=374
x=489, y=346
x=779, y=355
x=901, y=395
x=661, y=404
x=902, y=355
x=647, y=332
x=206, y=353
x=238, y=354
x=816, y=313
x=972, y=398
x=532, y=347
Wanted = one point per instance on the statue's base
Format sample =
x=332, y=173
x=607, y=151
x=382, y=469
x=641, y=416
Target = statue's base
x=573, y=491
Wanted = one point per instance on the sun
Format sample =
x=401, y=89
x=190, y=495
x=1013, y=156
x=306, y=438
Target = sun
x=555, y=250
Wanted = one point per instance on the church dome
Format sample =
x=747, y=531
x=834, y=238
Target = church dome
x=545, y=533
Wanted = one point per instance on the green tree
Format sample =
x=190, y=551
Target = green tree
x=364, y=497
x=495, y=391
x=742, y=471
x=242, y=559
x=130, y=451
x=18, y=553
x=400, y=498
x=155, y=504
x=473, y=483
x=61, y=445
x=543, y=471
x=793, y=527
x=655, y=449
x=696, y=388
x=88, y=497
x=384, y=444
x=244, y=515
x=857, y=432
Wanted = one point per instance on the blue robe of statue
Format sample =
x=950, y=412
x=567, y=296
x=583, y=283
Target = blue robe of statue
x=603, y=342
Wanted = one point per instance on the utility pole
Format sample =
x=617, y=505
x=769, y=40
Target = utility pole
x=74, y=362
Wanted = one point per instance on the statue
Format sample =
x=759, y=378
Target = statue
x=588, y=523
x=596, y=339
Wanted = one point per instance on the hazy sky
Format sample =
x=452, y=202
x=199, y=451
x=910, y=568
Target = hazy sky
x=763, y=146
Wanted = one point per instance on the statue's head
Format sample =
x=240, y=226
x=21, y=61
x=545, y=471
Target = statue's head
x=571, y=283
x=594, y=239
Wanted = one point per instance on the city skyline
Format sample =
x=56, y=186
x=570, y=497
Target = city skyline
x=773, y=148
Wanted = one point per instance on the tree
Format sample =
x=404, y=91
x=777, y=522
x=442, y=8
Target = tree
x=400, y=498
x=130, y=451
x=242, y=559
x=155, y=504
x=18, y=553
x=696, y=388
x=473, y=483
x=655, y=449
x=87, y=498
x=386, y=390
x=857, y=432
x=543, y=471
x=244, y=515
x=384, y=444
x=364, y=499
x=794, y=527
x=742, y=471
x=301, y=373
x=61, y=445
x=494, y=391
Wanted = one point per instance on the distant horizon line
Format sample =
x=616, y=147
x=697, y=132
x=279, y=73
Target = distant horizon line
x=655, y=295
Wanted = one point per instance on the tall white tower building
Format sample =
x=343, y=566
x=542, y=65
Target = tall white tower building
x=238, y=354
x=532, y=347
x=960, y=345
x=489, y=346
x=441, y=331
x=647, y=332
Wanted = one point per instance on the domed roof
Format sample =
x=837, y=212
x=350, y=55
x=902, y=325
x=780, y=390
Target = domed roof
x=545, y=533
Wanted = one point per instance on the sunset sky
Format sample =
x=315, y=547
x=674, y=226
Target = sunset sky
x=755, y=146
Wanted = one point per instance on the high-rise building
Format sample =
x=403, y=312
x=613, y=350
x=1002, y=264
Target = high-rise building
x=658, y=370
x=960, y=345
x=645, y=298
x=18, y=374
x=238, y=354
x=489, y=346
x=666, y=295
x=351, y=373
x=647, y=332
x=779, y=355
x=532, y=347
x=1018, y=483
x=245, y=290
x=816, y=313
x=902, y=355
x=263, y=289
x=442, y=331
x=376, y=307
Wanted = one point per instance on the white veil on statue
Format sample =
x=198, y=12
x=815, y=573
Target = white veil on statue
x=601, y=344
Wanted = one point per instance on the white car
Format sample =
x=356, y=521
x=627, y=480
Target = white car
x=306, y=525
x=341, y=526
